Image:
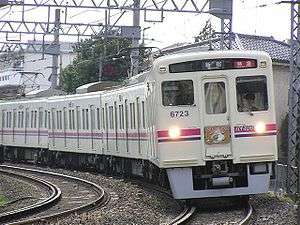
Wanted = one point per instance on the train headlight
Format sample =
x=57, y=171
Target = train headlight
x=174, y=132
x=260, y=128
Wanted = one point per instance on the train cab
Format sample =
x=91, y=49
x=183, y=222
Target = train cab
x=216, y=127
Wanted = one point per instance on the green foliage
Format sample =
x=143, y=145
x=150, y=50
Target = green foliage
x=2, y=200
x=206, y=33
x=85, y=67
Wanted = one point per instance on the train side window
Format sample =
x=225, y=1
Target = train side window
x=87, y=118
x=138, y=113
x=215, y=97
x=31, y=119
x=34, y=118
x=111, y=117
x=78, y=118
x=98, y=119
x=49, y=123
x=83, y=119
x=10, y=119
x=27, y=119
x=143, y=115
x=116, y=115
x=126, y=115
x=14, y=119
x=251, y=93
x=57, y=119
x=3, y=118
x=93, y=122
x=70, y=119
x=41, y=117
x=103, y=118
x=131, y=115
x=22, y=119
x=65, y=121
x=176, y=93
x=19, y=119
x=46, y=119
x=121, y=116
x=73, y=119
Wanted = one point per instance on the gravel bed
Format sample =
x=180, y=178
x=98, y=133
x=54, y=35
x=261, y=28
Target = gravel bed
x=129, y=204
x=19, y=193
x=217, y=211
x=271, y=209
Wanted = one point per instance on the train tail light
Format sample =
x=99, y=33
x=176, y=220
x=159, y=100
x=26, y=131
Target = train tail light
x=174, y=132
x=260, y=128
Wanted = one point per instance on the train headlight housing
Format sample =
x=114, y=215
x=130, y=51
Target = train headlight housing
x=260, y=128
x=174, y=132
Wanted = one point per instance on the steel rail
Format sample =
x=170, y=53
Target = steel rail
x=249, y=213
x=102, y=199
x=184, y=216
x=27, y=210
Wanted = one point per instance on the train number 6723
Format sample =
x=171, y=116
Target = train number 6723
x=177, y=114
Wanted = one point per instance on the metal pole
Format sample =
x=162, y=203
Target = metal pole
x=222, y=34
x=54, y=74
x=134, y=56
x=293, y=173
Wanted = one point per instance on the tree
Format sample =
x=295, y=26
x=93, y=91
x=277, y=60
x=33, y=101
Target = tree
x=206, y=33
x=85, y=67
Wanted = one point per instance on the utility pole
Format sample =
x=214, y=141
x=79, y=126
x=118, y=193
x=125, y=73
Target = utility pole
x=293, y=164
x=134, y=56
x=56, y=45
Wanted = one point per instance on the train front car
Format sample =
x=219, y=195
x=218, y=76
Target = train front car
x=216, y=129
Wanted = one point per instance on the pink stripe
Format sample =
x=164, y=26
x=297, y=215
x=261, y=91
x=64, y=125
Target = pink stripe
x=183, y=133
x=271, y=127
x=190, y=132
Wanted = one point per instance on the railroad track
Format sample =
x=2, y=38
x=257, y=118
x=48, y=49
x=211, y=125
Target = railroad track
x=248, y=214
x=55, y=195
x=75, y=195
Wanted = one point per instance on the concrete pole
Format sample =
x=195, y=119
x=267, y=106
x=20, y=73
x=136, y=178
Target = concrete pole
x=54, y=75
x=134, y=56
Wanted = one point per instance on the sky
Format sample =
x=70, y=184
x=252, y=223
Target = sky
x=249, y=17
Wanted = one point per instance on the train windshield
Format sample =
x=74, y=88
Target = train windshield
x=252, y=93
x=179, y=92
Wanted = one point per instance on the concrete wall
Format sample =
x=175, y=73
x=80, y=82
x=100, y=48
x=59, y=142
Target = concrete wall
x=281, y=86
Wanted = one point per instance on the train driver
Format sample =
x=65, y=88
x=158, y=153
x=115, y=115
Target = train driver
x=249, y=103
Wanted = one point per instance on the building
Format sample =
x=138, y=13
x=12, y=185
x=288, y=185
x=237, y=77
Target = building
x=30, y=70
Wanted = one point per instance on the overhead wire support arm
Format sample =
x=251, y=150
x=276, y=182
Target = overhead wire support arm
x=188, y=6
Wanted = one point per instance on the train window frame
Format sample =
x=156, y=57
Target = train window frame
x=265, y=94
x=164, y=98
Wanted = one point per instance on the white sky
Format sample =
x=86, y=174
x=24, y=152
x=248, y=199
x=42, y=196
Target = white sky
x=248, y=18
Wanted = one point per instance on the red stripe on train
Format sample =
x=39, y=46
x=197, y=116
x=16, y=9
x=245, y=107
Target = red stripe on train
x=183, y=132
x=271, y=127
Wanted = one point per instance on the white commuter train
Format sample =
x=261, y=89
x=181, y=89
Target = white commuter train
x=204, y=122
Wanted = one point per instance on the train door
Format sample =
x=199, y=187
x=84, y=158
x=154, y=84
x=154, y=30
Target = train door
x=216, y=118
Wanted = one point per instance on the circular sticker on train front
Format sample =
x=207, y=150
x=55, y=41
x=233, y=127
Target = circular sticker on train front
x=217, y=134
